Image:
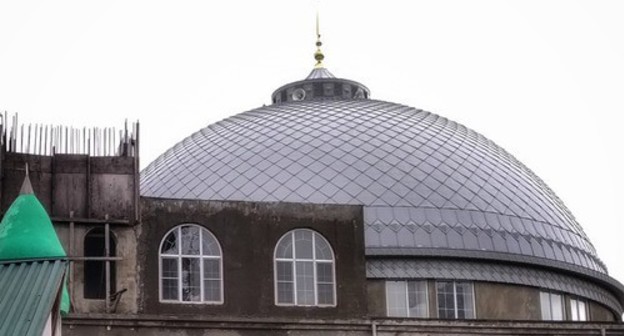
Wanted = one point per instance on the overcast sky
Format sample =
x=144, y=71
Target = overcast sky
x=543, y=79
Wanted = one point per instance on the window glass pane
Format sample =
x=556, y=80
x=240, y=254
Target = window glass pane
x=285, y=292
x=324, y=273
x=303, y=244
x=446, y=302
x=325, y=294
x=169, y=276
x=323, y=251
x=191, y=280
x=189, y=236
x=169, y=268
x=284, y=248
x=459, y=301
x=395, y=298
x=464, y=300
x=557, y=307
x=574, y=310
x=305, y=282
x=417, y=298
x=582, y=312
x=170, y=245
x=212, y=290
x=284, y=271
x=170, y=289
x=545, y=305
x=210, y=247
x=212, y=269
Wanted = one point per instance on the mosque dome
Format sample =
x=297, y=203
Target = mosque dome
x=429, y=187
x=424, y=181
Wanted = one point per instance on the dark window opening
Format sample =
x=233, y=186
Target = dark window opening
x=95, y=270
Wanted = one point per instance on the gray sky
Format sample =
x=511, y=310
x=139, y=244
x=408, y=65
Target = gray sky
x=543, y=79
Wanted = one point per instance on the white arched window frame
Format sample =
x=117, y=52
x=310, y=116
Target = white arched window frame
x=304, y=270
x=190, y=266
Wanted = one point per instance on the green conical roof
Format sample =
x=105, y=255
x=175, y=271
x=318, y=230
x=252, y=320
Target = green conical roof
x=26, y=232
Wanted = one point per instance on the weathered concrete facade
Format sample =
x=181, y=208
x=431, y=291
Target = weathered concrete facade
x=376, y=291
x=82, y=193
x=125, y=269
x=79, y=187
x=248, y=234
x=507, y=302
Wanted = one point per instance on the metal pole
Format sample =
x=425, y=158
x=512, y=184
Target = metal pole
x=71, y=253
x=107, y=254
x=137, y=191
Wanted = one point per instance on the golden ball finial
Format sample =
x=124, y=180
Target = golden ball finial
x=318, y=56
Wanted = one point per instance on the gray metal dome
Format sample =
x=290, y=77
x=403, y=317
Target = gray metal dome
x=429, y=186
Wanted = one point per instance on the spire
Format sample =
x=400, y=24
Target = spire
x=320, y=83
x=318, y=55
x=26, y=185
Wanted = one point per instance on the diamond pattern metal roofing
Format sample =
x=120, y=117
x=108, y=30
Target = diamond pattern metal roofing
x=424, y=181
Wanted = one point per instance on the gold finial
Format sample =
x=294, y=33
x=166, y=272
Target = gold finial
x=318, y=55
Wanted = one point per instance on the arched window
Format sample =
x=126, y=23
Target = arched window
x=190, y=266
x=95, y=270
x=304, y=270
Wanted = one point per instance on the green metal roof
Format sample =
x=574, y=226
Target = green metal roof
x=26, y=233
x=28, y=290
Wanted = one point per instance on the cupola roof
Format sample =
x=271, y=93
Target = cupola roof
x=26, y=231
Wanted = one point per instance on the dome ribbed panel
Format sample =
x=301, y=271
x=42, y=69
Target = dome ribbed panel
x=424, y=181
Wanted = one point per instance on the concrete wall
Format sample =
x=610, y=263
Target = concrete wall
x=13, y=176
x=126, y=269
x=433, y=299
x=90, y=187
x=506, y=302
x=597, y=312
x=248, y=233
x=376, y=292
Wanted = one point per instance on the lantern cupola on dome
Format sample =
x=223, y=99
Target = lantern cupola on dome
x=320, y=83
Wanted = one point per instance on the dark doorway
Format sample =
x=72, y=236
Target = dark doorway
x=95, y=270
